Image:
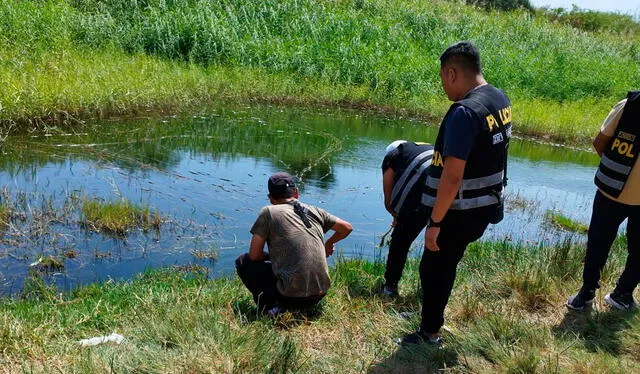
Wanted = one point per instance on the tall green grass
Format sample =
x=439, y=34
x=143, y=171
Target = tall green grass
x=591, y=20
x=86, y=55
x=392, y=47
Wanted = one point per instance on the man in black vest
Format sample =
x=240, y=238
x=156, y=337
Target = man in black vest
x=404, y=172
x=617, y=199
x=464, y=185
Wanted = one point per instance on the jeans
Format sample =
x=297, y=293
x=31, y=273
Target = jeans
x=606, y=218
x=438, y=269
x=259, y=279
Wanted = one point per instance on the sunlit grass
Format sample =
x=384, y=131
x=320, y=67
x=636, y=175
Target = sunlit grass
x=67, y=60
x=506, y=314
x=117, y=217
x=563, y=222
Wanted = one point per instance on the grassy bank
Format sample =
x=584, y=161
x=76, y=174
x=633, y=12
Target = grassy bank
x=67, y=58
x=506, y=313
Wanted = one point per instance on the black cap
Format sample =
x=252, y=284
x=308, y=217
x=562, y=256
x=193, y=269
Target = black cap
x=281, y=185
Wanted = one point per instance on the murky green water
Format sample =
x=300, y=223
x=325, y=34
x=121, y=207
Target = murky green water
x=206, y=175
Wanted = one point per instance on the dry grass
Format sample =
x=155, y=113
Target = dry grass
x=179, y=321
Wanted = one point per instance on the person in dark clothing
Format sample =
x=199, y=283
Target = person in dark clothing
x=617, y=199
x=294, y=273
x=404, y=172
x=463, y=190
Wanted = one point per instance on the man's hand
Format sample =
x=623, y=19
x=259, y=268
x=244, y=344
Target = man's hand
x=431, y=239
x=328, y=248
x=342, y=230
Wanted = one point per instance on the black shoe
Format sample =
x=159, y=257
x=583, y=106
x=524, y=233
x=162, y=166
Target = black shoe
x=622, y=301
x=583, y=299
x=420, y=337
x=389, y=291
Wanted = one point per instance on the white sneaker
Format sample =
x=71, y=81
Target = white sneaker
x=274, y=311
x=620, y=301
x=389, y=291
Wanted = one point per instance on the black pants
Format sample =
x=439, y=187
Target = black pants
x=408, y=226
x=606, y=218
x=438, y=269
x=258, y=277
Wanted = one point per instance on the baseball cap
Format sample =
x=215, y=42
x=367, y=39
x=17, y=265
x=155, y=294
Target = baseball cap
x=281, y=185
x=394, y=145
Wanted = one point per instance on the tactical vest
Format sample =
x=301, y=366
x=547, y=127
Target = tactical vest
x=622, y=150
x=485, y=169
x=414, y=160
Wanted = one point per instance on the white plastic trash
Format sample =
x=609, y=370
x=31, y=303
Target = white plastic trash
x=113, y=338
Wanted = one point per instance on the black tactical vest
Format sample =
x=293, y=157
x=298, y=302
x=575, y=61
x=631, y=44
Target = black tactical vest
x=622, y=150
x=485, y=170
x=410, y=167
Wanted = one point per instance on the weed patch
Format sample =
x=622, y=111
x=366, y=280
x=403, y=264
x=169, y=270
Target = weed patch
x=117, y=217
x=562, y=222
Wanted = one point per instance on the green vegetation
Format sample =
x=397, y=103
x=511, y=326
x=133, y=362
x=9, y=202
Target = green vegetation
x=505, y=5
x=562, y=222
x=594, y=21
x=63, y=59
x=117, y=217
x=5, y=214
x=506, y=315
x=48, y=263
x=210, y=254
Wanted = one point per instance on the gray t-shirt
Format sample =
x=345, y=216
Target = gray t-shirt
x=297, y=253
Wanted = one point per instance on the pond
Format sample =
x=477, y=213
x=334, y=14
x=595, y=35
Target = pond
x=205, y=175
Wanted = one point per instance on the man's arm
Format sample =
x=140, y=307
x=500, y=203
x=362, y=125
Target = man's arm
x=256, y=248
x=341, y=230
x=387, y=188
x=448, y=187
x=600, y=143
x=607, y=130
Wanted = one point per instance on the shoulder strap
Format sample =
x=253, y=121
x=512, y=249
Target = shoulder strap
x=304, y=213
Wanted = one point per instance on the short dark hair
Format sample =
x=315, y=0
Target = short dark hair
x=464, y=54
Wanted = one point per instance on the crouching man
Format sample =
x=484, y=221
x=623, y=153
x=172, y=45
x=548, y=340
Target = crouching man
x=294, y=273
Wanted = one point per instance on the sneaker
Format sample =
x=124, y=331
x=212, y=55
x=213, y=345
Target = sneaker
x=583, y=299
x=389, y=291
x=622, y=301
x=420, y=337
x=406, y=315
x=274, y=311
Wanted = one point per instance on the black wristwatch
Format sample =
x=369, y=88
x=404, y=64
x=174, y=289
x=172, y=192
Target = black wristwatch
x=433, y=223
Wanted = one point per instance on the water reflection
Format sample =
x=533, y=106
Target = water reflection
x=206, y=174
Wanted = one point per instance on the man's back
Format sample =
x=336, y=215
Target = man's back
x=297, y=253
x=409, y=162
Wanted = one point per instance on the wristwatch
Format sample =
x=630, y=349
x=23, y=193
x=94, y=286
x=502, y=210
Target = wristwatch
x=433, y=223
